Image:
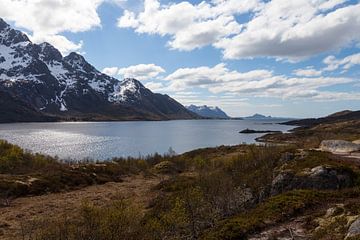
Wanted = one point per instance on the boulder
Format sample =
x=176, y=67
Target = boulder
x=166, y=167
x=339, y=146
x=354, y=229
x=320, y=177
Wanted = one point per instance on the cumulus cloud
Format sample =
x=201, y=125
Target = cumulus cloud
x=111, y=71
x=279, y=28
x=294, y=30
x=154, y=86
x=140, y=71
x=201, y=76
x=307, y=72
x=345, y=63
x=46, y=19
x=189, y=25
x=256, y=83
x=63, y=44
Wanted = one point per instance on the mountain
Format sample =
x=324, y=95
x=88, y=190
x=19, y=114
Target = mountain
x=38, y=84
x=208, y=112
x=257, y=116
x=333, y=118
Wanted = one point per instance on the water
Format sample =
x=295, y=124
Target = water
x=104, y=140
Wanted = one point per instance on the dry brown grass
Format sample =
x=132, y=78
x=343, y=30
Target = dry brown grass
x=137, y=188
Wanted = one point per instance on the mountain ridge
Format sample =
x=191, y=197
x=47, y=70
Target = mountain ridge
x=55, y=87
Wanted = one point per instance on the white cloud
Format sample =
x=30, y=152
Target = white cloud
x=140, y=71
x=279, y=28
x=345, y=63
x=111, y=71
x=307, y=72
x=63, y=44
x=256, y=83
x=201, y=76
x=190, y=26
x=46, y=19
x=154, y=86
x=294, y=30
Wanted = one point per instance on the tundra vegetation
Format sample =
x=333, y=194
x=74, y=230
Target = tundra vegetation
x=227, y=192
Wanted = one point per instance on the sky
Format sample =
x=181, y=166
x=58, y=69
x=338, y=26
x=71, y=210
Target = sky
x=281, y=58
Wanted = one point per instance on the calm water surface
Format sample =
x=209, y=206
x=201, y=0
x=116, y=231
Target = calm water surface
x=104, y=140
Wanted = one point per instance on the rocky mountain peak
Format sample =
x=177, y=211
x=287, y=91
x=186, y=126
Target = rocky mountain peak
x=79, y=63
x=132, y=83
x=9, y=36
x=49, y=53
x=73, y=56
x=3, y=24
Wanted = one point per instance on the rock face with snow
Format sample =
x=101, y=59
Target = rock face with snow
x=36, y=77
x=339, y=146
x=208, y=112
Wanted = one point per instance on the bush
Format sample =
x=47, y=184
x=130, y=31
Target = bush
x=120, y=220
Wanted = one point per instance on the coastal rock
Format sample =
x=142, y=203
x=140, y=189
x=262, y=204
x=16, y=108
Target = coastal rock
x=339, y=146
x=354, y=229
x=320, y=177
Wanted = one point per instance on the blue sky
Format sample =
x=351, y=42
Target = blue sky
x=282, y=58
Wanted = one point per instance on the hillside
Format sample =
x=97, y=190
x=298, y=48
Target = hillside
x=333, y=118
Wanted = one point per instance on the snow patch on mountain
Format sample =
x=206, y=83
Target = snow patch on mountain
x=9, y=58
x=208, y=111
x=98, y=86
x=124, y=90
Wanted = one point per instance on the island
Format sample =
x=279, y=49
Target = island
x=251, y=131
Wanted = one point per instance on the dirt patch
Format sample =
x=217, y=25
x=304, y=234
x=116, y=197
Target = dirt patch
x=137, y=188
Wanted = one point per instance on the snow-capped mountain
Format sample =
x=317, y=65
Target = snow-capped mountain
x=208, y=111
x=37, y=77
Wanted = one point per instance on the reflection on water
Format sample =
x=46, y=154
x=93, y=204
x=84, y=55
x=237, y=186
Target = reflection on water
x=103, y=140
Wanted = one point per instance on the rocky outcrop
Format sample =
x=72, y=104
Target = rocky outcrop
x=339, y=146
x=320, y=177
x=354, y=229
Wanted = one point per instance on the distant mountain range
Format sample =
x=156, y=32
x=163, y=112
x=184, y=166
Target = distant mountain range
x=38, y=84
x=257, y=116
x=208, y=112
